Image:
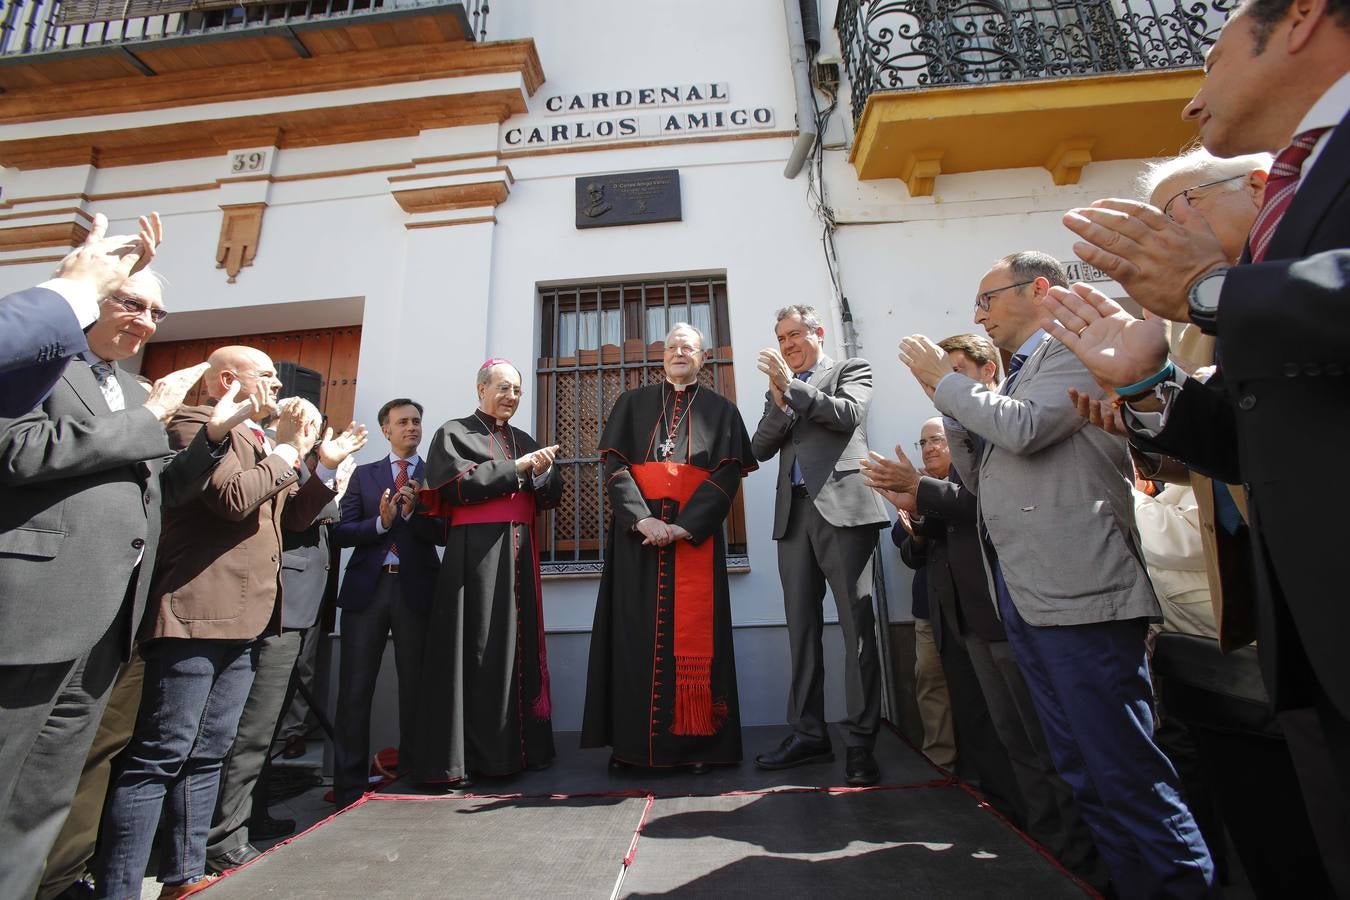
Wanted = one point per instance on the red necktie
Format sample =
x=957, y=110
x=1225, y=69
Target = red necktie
x=400, y=480
x=1280, y=187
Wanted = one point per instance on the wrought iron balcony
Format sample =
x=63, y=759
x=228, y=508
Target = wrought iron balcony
x=30, y=28
x=896, y=45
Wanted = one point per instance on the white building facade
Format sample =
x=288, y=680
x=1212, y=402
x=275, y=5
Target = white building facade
x=428, y=190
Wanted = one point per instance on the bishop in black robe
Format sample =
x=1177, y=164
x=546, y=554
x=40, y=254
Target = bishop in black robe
x=661, y=686
x=484, y=702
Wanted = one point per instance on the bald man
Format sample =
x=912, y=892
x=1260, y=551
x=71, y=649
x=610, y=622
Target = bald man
x=216, y=590
x=83, y=479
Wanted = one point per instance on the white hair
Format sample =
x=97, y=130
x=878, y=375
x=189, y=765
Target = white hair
x=1203, y=166
x=685, y=326
x=312, y=413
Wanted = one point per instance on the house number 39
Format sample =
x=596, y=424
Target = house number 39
x=247, y=161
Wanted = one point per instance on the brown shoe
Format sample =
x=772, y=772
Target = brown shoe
x=173, y=891
x=294, y=748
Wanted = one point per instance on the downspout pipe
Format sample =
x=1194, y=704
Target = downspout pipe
x=801, y=80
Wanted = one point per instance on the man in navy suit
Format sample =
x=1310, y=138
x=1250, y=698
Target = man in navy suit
x=387, y=588
x=43, y=326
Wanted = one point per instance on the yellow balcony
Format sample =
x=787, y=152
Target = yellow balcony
x=1060, y=124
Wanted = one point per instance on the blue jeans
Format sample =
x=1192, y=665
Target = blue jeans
x=194, y=694
x=1091, y=689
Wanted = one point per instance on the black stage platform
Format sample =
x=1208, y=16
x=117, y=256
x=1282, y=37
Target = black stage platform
x=580, y=830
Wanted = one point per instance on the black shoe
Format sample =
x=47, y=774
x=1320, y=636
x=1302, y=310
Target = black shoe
x=699, y=768
x=232, y=859
x=794, y=752
x=80, y=890
x=860, y=768
x=616, y=764
x=268, y=828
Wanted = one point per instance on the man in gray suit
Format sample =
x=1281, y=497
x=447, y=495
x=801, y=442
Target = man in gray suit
x=43, y=326
x=83, y=478
x=1056, y=515
x=825, y=521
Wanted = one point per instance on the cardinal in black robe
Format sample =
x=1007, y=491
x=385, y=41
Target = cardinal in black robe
x=661, y=685
x=484, y=704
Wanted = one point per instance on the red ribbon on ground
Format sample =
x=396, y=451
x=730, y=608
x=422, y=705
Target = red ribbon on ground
x=695, y=711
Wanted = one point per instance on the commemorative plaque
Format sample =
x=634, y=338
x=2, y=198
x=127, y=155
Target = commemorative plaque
x=633, y=198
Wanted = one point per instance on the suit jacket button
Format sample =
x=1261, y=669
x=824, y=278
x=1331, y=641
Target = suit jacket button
x=1247, y=402
x=1313, y=369
x=1334, y=369
x=1291, y=370
x=137, y=543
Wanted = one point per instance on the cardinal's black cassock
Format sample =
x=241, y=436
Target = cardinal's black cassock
x=661, y=688
x=484, y=701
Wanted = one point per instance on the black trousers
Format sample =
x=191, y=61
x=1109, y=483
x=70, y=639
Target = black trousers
x=364, y=637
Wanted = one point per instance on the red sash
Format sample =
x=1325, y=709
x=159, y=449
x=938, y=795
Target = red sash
x=695, y=711
x=516, y=508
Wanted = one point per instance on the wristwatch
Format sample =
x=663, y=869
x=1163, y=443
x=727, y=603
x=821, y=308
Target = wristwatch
x=1203, y=300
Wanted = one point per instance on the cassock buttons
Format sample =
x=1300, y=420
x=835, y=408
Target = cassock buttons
x=1291, y=370
x=1248, y=402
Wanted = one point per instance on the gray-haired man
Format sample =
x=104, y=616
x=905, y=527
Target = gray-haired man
x=825, y=521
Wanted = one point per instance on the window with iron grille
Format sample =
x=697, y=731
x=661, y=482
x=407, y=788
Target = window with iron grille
x=599, y=340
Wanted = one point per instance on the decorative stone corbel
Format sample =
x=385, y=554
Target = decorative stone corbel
x=920, y=171
x=1066, y=161
x=240, y=227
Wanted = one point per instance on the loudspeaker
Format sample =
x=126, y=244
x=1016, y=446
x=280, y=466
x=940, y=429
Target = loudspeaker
x=297, y=381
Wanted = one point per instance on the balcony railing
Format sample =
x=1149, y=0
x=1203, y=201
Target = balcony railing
x=905, y=44
x=30, y=27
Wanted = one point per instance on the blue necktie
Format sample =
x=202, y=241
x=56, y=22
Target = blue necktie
x=796, y=475
x=1226, y=512
x=1014, y=366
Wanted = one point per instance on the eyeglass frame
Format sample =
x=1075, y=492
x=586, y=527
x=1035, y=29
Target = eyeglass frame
x=139, y=308
x=940, y=439
x=683, y=349
x=983, y=301
x=1187, y=192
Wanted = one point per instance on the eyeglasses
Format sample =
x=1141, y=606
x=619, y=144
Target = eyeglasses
x=682, y=349
x=137, y=308
x=982, y=300
x=934, y=441
x=1189, y=192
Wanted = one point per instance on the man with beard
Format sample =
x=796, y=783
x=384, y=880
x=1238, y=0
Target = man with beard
x=661, y=687
x=484, y=704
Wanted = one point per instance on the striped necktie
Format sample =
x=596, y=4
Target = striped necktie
x=400, y=481
x=1280, y=187
x=1014, y=366
x=106, y=375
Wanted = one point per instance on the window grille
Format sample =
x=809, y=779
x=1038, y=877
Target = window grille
x=597, y=341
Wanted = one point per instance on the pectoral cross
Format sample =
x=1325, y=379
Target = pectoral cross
x=667, y=448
